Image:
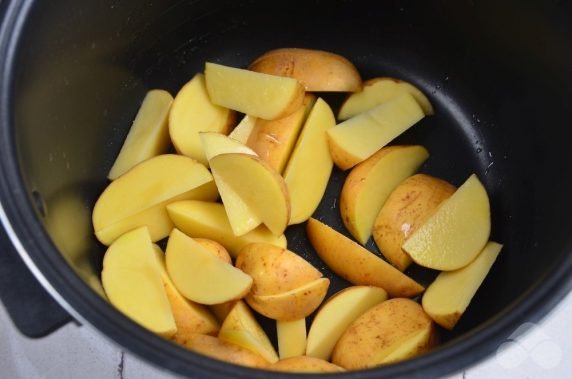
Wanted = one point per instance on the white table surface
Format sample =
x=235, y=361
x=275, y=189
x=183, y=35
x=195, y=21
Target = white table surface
x=78, y=352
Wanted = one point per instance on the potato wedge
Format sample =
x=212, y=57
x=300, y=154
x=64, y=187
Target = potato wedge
x=291, y=338
x=190, y=317
x=215, y=248
x=356, y=264
x=317, y=70
x=260, y=95
x=241, y=328
x=149, y=134
x=192, y=113
x=216, y=143
x=370, y=183
x=447, y=298
x=408, y=206
x=273, y=140
x=155, y=181
x=291, y=305
x=305, y=364
x=310, y=164
x=336, y=315
x=456, y=233
x=377, y=91
x=259, y=188
x=242, y=131
x=209, y=220
x=358, y=138
x=131, y=278
x=200, y=275
x=215, y=348
x=375, y=337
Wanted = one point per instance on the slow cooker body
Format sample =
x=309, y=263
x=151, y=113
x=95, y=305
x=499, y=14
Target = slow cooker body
x=498, y=73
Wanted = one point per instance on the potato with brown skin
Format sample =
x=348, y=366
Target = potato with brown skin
x=394, y=330
x=305, y=364
x=224, y=351
x=215, y=248
x=317, y=70
x=407, y=208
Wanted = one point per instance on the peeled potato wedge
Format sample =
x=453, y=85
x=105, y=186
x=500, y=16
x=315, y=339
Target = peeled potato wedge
x=291, y=338
x=131, y=278
x=273, y=140
x=215, y=348
x=370, y=183
x=456, y=233
x=357, y=265
x=305, y=364
x=155, y=181
x=192, y=113
x=408, y=206
x=375, y=337
x=447, y=298
x=358, y=138
x=310, y=165
x=377, y=91
x=317, y=70
x=242, y=131
x=200, y=275
x=336, y=315
x=241, y=328
x=260, y=95
x=149, y=134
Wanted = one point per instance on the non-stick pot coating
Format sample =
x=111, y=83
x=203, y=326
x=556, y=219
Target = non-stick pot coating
x=498, y=74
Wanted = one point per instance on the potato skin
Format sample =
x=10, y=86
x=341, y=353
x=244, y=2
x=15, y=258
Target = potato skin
x=305, y=364
x=214, y=348
x=405, y=210
x=215, y=248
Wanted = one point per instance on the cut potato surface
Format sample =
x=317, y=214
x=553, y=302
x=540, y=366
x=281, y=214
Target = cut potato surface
x=291, y=338
x=317, y=70
x=407, y=208
x=215, y=248
x=357, y=265
x=224, y=351
x=242, y=131
x=255, y=94
x=216, y=143
x=131, y=278
x=209, y=220
x=358, y=138
x=192, y=113
x=447, y=298
x=335, y=316
x=370, y=183
x=305, y=364
x=310, y=164
x=453, y=236
x=258, y=186
x=200, y=275
x=378, y=91
x=149, y=134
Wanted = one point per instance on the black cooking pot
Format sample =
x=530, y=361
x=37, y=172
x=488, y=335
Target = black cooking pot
x=499, y=74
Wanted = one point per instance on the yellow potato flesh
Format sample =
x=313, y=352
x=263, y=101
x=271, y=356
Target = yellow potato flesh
x=358, y=138
x=151, y=182
x=292, y=305
x=149, y=134
x=156, y=217
x=305, y=364
x=242, y=131
x=310, y=164
x=317, y=70
x=291, y=338
x=357, y=265
x=201, y=276
x=190, y=317
x=381, y=332
x=336, y=315
x=273, y=140
x=215, y=248
x=447, y=298
x=216, y=143
x=407, y=208
x=259, y=95
x=209, y=220
x=261, y=189
x=369, y=184
x=378, y=91
x=453, y=236
x=241, y=328
x=224, y=351
x=193, y=112
x=131, y=278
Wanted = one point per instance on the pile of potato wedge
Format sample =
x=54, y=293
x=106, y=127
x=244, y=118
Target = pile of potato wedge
x=217, y=174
